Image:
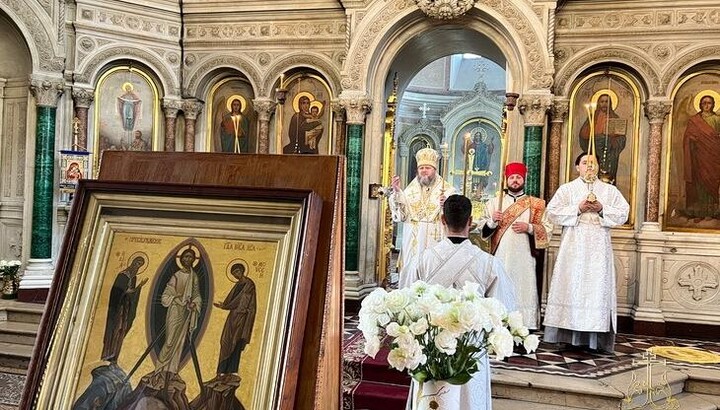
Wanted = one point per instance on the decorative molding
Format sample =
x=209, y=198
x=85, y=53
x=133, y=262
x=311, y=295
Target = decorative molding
x=314, y=30
x=90, y=68
x=643, y=20
x=445, y=9
x=325, y=67
x=606, y=54
x=656, y=111
x=205, y=67
x=129, y=21
x=356, y=105
x=46, y=91
x=534, y=109
x=423, y=127
x=699, y=280
x=530, y=44
x=83, y=97
x=683, y=62
x=36, y=32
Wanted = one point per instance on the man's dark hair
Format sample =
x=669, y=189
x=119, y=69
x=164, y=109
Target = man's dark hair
x=579, y=158
x=457, y=211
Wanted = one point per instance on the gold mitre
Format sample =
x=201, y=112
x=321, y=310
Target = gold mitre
x=427, y=156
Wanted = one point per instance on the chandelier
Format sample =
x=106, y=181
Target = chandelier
x=445, y=9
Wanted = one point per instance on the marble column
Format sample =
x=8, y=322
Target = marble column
x=356, y=106
x=339, y=130
x=533, y=110
x=191, y=109
x=171, y=107
x=265, y=107
x=656, y=111
x=83, y=98
x=558, y=115
x=39, y=268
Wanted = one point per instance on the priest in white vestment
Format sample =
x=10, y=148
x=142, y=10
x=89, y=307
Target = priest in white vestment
x=516, y=230
x=582, y=301
x=418, y=208
x=451, y=263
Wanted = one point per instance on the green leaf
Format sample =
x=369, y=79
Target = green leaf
x=420, y=376
x=460, y=378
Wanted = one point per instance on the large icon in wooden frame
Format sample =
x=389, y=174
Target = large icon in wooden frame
x=184, y=297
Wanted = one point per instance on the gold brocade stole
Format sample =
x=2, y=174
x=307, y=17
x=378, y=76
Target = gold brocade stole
x=536, y=206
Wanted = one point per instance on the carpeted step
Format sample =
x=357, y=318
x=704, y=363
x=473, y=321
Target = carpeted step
x=369, y=395
x=378, y=370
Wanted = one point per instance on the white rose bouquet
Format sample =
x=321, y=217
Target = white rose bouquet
x=441, y=333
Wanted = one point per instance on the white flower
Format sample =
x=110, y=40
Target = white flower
x=396, y=300
x=374, y=302
x=419, y=327
x=3, y=263
x=407, y=357
x=515, y=320
x=501, y=342
x=394, y=329
x=446, y=342
x=471, y=317
x=531, y=343
x=372, y=346
x=419, y=288
x=15, y=263
x=470, y=290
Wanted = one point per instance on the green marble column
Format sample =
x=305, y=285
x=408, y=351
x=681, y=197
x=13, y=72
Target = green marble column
x=41, y=242
x=354, y=189
x=532, y=157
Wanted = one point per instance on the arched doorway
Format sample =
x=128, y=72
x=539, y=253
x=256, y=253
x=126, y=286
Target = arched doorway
x=396, y=38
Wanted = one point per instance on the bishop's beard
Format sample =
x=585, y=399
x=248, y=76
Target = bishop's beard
x=426, y=181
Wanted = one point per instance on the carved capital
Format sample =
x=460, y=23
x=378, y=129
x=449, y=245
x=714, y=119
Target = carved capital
x=264, y=107
x=83, y=97
x=356, y=105
x=47, y=90
x=657, y=110
x=171, y=106
x=192, y=108
x=559, y=109
x=338, y=110
x=534, y=108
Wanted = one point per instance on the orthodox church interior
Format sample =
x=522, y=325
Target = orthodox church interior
x=515, y=80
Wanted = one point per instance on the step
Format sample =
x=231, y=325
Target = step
x=15, y=356
x=571, y=392
x=380, y=396
x=378, y=370
x=703, y=381
x=18, y=333
x=14, y=311
x=508, y=404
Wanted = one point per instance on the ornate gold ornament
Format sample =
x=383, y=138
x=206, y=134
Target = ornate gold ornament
x=445, y=9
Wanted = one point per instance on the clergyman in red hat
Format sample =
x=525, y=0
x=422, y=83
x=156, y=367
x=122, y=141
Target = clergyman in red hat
x=515, y=230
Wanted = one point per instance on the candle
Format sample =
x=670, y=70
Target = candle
x=282, y=80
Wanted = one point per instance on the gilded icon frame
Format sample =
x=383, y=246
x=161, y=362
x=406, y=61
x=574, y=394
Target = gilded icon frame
x=271, y=232
x=320, y=96
x=625, y=105
x=683, y=212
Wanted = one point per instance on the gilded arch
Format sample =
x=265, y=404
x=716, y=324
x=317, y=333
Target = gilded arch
x=91, y=69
